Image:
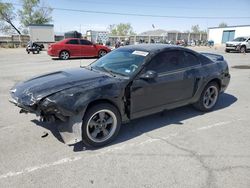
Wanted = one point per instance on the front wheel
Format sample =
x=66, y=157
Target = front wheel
x=242, y=49
x=64, y=55
x=101, y=125
x=208, y=98
x=102, y=53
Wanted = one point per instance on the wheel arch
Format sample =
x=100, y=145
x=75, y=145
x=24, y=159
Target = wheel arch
x=243, y=45
x=103, y=101
x=102, y=49
x=216, y=80
x=62, y=51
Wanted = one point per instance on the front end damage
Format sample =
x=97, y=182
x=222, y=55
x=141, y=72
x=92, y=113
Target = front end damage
x=69, y=126
x=62, y=97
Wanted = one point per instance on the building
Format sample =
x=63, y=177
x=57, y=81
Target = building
x=221, y=35
x=42, y=33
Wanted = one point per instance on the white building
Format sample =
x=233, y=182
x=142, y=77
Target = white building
x=43, y=33
x=221, y=35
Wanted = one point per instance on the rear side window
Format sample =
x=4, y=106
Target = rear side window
x=85, y=42
x=172, y=60
x=73, y=41
x=205, y=60
x=190, y=59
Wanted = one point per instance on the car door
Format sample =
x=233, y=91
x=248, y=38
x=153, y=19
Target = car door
x=177, y=73
x=73, y=47
x=87, y=48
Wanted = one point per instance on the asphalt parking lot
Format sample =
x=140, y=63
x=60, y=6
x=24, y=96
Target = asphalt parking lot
x=180, y=148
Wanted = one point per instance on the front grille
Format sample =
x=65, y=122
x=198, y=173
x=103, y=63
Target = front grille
x=229, y=45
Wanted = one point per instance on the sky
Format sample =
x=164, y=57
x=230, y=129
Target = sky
x=81, y=21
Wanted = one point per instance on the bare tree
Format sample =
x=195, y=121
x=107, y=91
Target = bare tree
x=7, y=15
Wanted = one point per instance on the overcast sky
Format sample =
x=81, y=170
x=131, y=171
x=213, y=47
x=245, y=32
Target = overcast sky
x=81, y=21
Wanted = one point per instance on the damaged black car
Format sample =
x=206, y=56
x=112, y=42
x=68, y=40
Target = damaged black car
x=90, y=103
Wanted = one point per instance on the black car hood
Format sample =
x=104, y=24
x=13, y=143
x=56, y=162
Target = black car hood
x=34, y=89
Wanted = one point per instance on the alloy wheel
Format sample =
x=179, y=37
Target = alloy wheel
x=101, y=126
x=210, y=97
x=64, y=55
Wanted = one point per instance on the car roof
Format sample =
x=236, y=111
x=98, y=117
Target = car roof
x=151, y=48
x=243, y=37
x=72, y=38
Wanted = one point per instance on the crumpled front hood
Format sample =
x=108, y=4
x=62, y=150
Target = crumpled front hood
x=34, y=89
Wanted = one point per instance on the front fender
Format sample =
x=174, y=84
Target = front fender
x=75, y=100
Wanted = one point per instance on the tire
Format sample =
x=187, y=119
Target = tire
x=64, y=55
x=208, y=98
x=226, y=50
x=102, y=53
x=101, y=124
x=242, y=49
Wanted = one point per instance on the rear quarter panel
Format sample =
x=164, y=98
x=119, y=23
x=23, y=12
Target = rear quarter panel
x=212, y=71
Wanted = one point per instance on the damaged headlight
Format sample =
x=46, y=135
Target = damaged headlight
x=48, y=105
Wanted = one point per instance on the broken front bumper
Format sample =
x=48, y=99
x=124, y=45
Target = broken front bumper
x=70, y=129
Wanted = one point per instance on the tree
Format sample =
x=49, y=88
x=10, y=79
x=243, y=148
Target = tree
x=195, y=29
x=32, y=13
x=122, y=29
x=7, y=15
x=223, y=24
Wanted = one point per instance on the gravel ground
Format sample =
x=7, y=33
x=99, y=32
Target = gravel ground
x=180, y=148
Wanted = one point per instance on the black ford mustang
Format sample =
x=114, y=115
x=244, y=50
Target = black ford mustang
x=128, y=83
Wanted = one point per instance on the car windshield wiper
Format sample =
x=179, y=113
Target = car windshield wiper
x=102, y=68
x=111, y=72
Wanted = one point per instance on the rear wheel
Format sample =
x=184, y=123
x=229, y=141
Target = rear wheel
x=102, y=53
x=226, y=50
x=101, y=124
x=64, y=55
x=208, y=98
x=242, y=49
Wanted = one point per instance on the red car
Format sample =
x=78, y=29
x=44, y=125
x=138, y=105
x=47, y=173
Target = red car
x=74, y=47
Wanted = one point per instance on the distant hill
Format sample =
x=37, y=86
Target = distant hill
x=158, y=32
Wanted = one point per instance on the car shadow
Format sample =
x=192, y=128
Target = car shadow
x=146, y=124
x=50, y=127
x=73, y=58
x=237, y=52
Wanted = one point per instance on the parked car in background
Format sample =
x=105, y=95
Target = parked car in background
x=128, y=83
x=240, y=44
x=74, y=47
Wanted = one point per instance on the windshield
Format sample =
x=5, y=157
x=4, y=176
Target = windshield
x=240, y=39
x=122, y=61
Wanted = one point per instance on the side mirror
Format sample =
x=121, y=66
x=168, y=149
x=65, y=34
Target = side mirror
x=149, y=75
